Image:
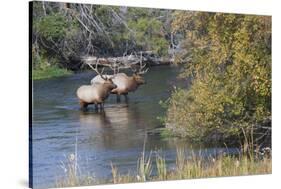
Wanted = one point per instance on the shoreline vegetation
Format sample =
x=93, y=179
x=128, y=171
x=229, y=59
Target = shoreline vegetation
x=250, y=159
x=54, y=71
x=256, y=162
x=230, y=92
x=47, y=72
x=50, y=72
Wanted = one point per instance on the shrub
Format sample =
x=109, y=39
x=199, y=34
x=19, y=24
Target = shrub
x=231, y=76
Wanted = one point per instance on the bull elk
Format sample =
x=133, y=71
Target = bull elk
x=124, y=83
x=97, y=93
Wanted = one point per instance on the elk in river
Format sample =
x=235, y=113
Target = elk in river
x=96, y=93
x=124, y=83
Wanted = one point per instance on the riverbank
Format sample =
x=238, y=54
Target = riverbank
x=49, y=72
x=186, y=168
x=54, y=71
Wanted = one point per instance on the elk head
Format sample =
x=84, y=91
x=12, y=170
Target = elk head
x=107, y=81
x=137, y=73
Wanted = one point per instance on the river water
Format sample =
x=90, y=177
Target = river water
x=116, y=135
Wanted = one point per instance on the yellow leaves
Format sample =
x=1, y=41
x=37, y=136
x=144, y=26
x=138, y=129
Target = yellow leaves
x=231, y=65
x=181, y=18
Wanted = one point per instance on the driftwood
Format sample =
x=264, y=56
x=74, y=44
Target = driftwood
x=122, y=62
x=127, y=61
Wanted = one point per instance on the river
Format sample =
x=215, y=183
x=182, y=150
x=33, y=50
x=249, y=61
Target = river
x=116, y=135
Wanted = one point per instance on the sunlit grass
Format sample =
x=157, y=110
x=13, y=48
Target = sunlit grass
x=144, y=167
x=161, y=167
x=187, y=167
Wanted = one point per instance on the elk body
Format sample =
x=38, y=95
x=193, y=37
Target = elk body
x=95, y=94
x=124, y=83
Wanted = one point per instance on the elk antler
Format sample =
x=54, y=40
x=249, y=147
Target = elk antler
x=96, y=69
x=134, y=70
x=113, y=67
x=141, y=71
x=141, y=67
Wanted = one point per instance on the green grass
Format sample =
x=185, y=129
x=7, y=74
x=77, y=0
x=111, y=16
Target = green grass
x=190, y=167
x=49, y=72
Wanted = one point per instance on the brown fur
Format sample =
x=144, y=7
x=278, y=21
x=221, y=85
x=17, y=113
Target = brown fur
x=94, y=94
x=126, y=84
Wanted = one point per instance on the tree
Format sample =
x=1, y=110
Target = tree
x=149, y=30
x=63, y=32
x=230, y=67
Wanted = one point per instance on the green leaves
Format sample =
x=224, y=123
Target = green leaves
x=53, y=27
x=149, y=34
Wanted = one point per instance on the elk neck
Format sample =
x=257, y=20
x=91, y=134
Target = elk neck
x=109, y=86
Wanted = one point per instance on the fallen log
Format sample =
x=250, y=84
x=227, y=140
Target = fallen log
x=126, y=61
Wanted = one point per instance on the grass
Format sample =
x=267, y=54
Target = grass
x=144, y=167
x=161, y=166
x=187, y=167
x=49, y=72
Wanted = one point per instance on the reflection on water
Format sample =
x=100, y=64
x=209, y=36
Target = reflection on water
x=114, y=135
x=113, y=127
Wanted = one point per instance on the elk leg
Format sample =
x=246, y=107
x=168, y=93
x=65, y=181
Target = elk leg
x=126, y=98
x=83, y=105
x=118, y=98
x=101, y=106
x=96, y=107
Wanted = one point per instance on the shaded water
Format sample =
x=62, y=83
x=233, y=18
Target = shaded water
x=116, y=135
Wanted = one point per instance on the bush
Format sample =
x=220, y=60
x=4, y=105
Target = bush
x=231, y=76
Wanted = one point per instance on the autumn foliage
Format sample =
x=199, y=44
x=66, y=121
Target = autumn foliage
x=230, y=69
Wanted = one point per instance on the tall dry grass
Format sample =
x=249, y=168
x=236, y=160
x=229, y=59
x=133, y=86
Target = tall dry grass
x=187, y=167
